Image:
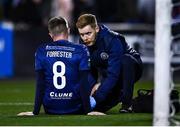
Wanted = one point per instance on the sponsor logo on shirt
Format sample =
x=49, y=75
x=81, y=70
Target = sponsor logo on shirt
x=56, y=95
x=59, y=48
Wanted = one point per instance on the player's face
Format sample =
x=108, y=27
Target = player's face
x=88, y=34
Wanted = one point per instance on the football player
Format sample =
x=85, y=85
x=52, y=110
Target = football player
x=62, y=70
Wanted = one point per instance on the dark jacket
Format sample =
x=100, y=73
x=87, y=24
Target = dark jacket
x=106, y=57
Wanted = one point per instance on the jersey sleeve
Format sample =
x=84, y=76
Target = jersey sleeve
x=38, y=59
x=40, y=87
x=85, y=59
x=85, y=90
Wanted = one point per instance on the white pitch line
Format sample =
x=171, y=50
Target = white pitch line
x=15, y=103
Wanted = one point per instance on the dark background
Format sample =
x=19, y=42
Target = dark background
x=29, y=18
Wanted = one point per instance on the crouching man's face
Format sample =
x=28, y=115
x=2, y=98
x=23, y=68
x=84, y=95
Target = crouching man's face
x=88, y=34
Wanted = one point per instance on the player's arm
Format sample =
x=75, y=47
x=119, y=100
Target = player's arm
x=85, y=90
x=93, y=81
x=86, y=81
x=39, y=84
x=38, y=95
x=113, y=70
x=94, y=73
x=40, y=88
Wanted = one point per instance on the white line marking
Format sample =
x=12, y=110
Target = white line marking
x=15, y=103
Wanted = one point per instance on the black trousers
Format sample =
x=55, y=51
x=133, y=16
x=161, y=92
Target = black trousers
x=131, y=72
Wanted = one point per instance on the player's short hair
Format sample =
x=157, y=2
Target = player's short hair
x=57, y=25
x=86, y=19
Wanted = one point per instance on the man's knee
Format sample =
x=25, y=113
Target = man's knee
x=128, y=60
x=132, y=65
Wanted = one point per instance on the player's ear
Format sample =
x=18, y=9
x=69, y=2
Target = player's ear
x=97, y=28
x=50, y=35
x=68, y=31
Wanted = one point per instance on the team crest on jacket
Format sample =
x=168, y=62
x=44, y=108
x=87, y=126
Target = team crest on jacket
x=104, y=56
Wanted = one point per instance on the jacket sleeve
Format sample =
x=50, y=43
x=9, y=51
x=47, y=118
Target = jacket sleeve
x=113, y=70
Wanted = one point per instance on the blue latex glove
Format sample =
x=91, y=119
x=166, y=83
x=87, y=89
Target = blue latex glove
x=92, y=102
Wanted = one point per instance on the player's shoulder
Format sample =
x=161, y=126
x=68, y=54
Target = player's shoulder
x=43, y=46
x=78, y=46
x=67, y=45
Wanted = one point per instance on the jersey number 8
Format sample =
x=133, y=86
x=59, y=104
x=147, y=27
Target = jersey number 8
x=59, y=74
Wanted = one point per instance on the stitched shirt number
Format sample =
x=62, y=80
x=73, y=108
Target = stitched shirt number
x=59, y=75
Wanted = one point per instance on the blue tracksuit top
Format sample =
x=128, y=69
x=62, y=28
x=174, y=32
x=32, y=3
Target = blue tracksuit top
x=106, y=57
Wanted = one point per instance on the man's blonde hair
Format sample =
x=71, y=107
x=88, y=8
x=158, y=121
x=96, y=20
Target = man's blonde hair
x=86, y=19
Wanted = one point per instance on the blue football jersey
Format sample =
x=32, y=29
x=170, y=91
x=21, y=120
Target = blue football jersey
x=61, y=62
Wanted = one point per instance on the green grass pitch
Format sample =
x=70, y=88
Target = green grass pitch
x=18, y=96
